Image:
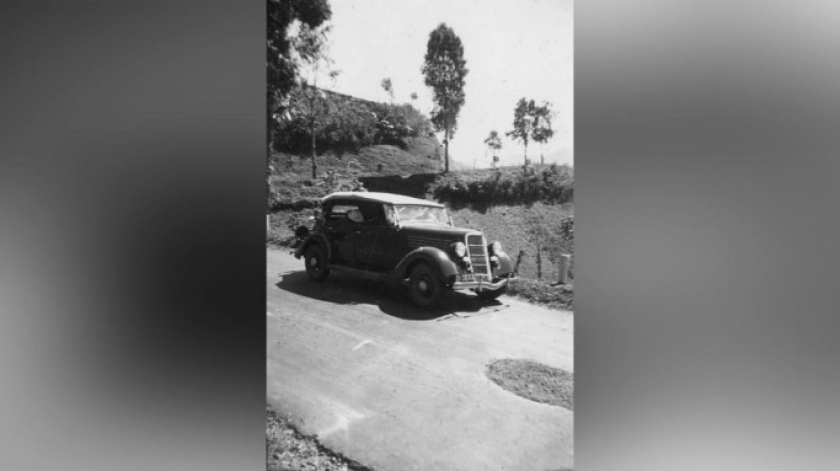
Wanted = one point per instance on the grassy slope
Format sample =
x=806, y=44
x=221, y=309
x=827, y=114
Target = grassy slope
x=420, y=156
x=507, y=225
x=292, y=175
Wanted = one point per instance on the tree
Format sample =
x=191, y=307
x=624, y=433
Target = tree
x=282, y=58
x=523, y=123
x=388, y=87
x=494, y=142
x=444, y=69
x=312, y=103
x=281, y=63
x=542, y=131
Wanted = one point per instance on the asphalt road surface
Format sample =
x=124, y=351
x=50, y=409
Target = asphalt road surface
x=395, y=387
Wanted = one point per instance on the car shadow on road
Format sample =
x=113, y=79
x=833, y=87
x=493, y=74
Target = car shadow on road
x=393, y=300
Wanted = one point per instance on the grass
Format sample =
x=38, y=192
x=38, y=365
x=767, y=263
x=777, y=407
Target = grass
x=293, y=187
x=509, y=225
x=533, y=381
x=289, y=450
x=546, y=294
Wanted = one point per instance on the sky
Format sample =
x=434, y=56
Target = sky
x=513, y=49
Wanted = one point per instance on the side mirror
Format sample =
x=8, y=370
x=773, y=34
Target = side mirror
x=355, y=215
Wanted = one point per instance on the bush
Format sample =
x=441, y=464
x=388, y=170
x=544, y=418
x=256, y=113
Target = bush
x=526, y=185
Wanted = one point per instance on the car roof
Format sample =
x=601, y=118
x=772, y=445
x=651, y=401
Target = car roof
x=379, y=198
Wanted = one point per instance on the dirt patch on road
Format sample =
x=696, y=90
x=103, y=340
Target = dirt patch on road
x=289, y=450
x=534, y=381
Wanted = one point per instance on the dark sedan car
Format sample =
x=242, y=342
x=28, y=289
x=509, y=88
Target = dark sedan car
x=402, y=239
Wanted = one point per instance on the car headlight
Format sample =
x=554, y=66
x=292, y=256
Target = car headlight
x=460, y=249
x=495, y=248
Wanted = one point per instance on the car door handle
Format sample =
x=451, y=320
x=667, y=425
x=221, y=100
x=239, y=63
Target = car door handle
x=358, y=232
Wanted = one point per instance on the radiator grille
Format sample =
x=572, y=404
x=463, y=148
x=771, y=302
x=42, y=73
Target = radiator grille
x=477, y=249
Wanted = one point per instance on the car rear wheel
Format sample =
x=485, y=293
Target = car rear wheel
x=489, y=295
x=426, y=286
x=317, y=266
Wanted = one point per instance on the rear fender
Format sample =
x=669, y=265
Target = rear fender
x=431, y=255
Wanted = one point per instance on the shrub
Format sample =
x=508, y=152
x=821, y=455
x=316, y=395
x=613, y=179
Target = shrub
x=552, y=185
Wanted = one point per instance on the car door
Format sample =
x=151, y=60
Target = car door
x=369, y=237
x=390, y=246
x=340, y=232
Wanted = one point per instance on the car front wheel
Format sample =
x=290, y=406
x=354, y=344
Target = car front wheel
x=426, y=286
x=317, y=266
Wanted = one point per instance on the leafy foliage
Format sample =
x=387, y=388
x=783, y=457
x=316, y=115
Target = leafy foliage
x=282, y=62
x=523, y=123
x=531, y=122
x=283, y=57
x=552, y=184
x=494, y=142
x=542, y=130
x=388, y=86
x=444, y=70
x=347, y=123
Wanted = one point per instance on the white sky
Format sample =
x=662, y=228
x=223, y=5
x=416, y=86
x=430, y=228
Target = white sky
x=513, y=48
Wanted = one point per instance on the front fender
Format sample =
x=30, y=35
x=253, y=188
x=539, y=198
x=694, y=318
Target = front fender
x=431, y=255
x=505, y=265
x=317, y=239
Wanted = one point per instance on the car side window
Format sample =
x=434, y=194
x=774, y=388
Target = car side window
x=372, y=212
x=339, y=211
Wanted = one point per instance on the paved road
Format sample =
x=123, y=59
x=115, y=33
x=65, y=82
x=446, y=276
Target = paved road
x=397, y=388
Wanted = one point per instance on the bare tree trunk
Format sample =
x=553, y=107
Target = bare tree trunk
x=446, y=150
x=314, y=167
x=526, y=152
x=542, y=159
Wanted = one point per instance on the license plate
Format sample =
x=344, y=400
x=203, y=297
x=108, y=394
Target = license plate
x=469, y=277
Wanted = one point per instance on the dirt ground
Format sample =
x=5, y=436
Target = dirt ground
x=393, y=387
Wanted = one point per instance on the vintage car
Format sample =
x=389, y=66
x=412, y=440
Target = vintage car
x=395, y=238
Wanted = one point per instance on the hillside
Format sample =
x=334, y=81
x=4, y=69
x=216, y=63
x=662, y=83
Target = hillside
x=357, y=138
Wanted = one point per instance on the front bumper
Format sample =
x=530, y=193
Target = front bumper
x=482, y=285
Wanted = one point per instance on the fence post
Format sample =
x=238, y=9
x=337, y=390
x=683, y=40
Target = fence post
x=564, y=268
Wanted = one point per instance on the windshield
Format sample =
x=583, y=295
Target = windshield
x=418, y=214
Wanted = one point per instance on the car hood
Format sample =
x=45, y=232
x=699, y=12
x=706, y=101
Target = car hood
x=420, y=235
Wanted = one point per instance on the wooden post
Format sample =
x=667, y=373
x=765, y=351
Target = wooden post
x=564, y=268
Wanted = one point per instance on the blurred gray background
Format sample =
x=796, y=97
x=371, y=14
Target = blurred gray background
x=132, y=235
